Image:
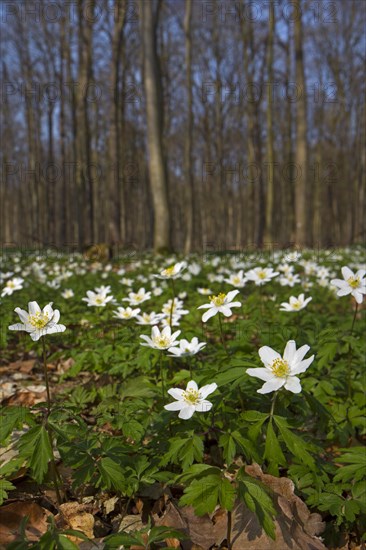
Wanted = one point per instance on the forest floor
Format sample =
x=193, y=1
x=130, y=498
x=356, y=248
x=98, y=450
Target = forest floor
x=116, y=434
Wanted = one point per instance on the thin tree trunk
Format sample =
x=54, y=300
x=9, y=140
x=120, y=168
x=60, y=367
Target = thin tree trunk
x=156, y=162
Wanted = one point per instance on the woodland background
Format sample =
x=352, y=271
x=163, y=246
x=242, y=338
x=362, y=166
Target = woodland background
x=182, y=123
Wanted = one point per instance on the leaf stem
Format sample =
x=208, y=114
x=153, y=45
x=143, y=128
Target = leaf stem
x=228, y=536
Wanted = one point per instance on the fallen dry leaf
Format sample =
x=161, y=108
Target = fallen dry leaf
x=76, y=516
x=296, y=527
x=12, y=515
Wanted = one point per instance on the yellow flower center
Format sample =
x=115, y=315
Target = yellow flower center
x=296, y=305
x=10, y=284
x=280, y=368
x=98, y=300
x=354, y=282
x=162, y=341
x=218, y=300
x=138, y=297
x=236, y=280
x=39, y=320
x=262, y=274
x=191, y=396
x=168, y=272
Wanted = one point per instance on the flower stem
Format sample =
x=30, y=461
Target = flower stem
x=172, y=306
x=354, y=318
x=45, y=372
x=222, y=335
x=350, y=357
x=54, y=473
x=273, y=404
x=162, y=375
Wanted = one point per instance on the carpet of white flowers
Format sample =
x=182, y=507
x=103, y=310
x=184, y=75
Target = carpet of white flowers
x=167, y=399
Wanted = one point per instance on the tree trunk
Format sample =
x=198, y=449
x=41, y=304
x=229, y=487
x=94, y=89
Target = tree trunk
x=154, y=106
x=301, y=203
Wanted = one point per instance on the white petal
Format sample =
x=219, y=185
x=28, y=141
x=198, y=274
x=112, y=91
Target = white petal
x=290, y=351
x=206, y=390
x=35, y=335
x=347, y=273
x=177, y=393
x=361, y=273
x=53, y=329
x=209, y=313
x=300, y=354
x=293, y=384
x=204, y=406
x=272, y=385
x=187, y=412
x=17, y=326
x=231, y=295
x=176, y=406
x=261, y=373
x=268, y=355
x=192, y=385
x=358, y=296
x=23, y=315
x=344, y=291
x=225, y=310
x=56, y=316
x=33, y=308
x=302, y=366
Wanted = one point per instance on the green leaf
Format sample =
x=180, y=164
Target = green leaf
x=111, y=474
x=272, y=451
x=205, y=493
x=114, y=542
x=255, y=496
x=229, y=447
x=184, y=451
x=5, y=486
x=294, y=443
x=159, y=534
x=13, y=417
x=35, y=446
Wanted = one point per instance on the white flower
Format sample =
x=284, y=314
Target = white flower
x=126, y=313
x=191, y=399
x=260, y=275
x=204, y=291
x=237, y=280
x=103, y=289
x=161, y=340
x=158, y=291
x=293, y=256
x=11, y=286
x=186, y=348
x=354, y=284
x=280, y=371
x=177, y=308
x=126, y=281
x=220, y=304
x=136, y=298
x=97, y=299
x=67, y=293
x=175, y=321
x=149, y=318
x=289, y=280
x=172, y=272
x=38, y=322
x=295, y=304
